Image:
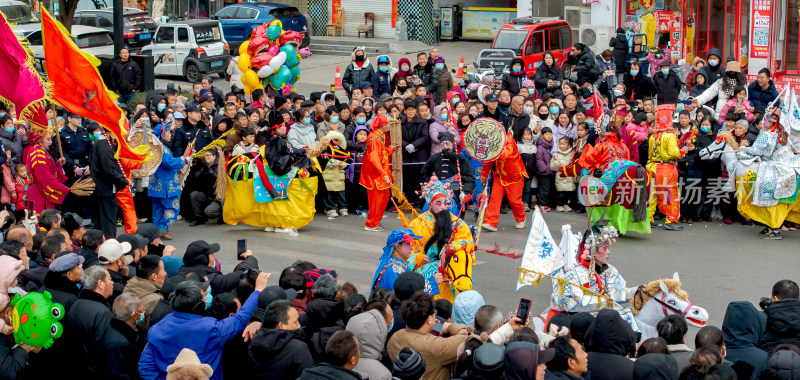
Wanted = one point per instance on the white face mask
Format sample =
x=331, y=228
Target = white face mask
x=713, y=62
x=528, y=110
x=404, y=67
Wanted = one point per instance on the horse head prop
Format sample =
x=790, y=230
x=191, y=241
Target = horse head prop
x=456, y=267
x=714, y=150
x=661, y=298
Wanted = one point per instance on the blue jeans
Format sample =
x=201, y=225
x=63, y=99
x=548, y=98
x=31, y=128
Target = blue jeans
x=125, y=98
x=333, y=198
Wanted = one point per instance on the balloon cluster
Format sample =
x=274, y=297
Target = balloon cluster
x=271, y=58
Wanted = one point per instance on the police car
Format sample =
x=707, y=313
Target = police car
x=189, y=48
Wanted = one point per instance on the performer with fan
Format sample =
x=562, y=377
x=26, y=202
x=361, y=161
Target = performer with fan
x=165, y=187
x=508, y=180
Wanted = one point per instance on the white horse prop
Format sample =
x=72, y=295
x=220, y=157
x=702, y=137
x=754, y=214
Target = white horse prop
x=661, y=298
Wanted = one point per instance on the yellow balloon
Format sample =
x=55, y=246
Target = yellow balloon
x=250, y=79
x=277, y=22
x=247, y=90
x=244, y=62
x=243, y=47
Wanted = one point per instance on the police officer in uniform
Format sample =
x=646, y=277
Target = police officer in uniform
x=77, y=148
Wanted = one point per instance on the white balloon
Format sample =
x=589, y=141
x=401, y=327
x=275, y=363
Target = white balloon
x=273, y=65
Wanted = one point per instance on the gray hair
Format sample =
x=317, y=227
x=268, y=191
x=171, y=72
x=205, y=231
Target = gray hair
x=325, y=287
x=92, y=276
x=487, y=319
x=125, y=305
x=178, y=105
x=743, y=122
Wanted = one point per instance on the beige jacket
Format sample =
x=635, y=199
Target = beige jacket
x=438, y=352
x=149, y=294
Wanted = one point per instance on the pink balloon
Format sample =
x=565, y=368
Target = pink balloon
x=287, y=89
x=274, y=49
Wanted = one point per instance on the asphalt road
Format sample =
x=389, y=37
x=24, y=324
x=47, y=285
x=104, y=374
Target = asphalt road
x=717, y=263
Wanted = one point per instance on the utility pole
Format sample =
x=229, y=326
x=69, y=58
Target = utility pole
x=119, y=40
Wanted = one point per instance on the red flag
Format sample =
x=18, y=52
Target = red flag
x=597, y=105
x=76, y=85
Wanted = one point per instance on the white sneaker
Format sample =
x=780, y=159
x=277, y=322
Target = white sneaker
x=567, y=208
x=489, y=227
x=331, y=213
x=520, y=225
x=289, y=231
x=374, y=229
x=560, y=208
x=343, y=212
x=269, y=229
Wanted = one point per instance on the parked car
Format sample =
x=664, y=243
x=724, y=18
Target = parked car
x=530, y=37
x=21, y=16
x=189, y=48
x=238, y=20
x=138, y=30
x=89, y=39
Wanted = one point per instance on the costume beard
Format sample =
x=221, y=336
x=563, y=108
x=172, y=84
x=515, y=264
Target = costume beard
x=442, y=229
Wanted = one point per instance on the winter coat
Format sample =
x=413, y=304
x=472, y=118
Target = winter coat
x=279, y=354
x=585, y=66
x=608, y=340
x=742, y=327
x=445, y=85
x=543, y=156
x=438, y=352
x=354, y=75
x=86, y=324
x=406, y=95
x=106, y=173
x=690, y=78
x=429, y=76
x=324, y=127
x=165, y=183
x=698, y=89
x=438, y=127
x=149, y=293
x=12, y=360
x=220, y=283
x=784, y=365
x=512, y=82
x=517, y=123
x=730, y=105
x=604, y=66
x=301, y=135
x=63, y=290
x=682, y=354
x=571, y=131
x=638, y=87
x=119, y=283
x=187, y=133
x=668, y=87
x=620, y=45
x=9, y=186
x=527, y=150
x=544, y=74
x=206, y=336
x=125, y=76
x=325, y=371
x=783, y=326
x=333, y=174
x=547, y=122
x=416, y=132
x=325, y=317
x=123, y=347
x=370, y=329
x=559, y=160
x=713, y=74
x=382, y=81
x=714, y=91
x=14, y=142
x=655, y=367
x=498, y=115
x=560, y=375
x=757, y=96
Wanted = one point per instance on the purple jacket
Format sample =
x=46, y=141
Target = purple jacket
x=543, y=156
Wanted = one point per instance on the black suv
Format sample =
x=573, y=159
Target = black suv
x=139, y=26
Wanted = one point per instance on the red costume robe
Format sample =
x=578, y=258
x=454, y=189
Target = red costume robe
x=509, y=180
x=46, y=179
x=125, y=197
x=376, y=169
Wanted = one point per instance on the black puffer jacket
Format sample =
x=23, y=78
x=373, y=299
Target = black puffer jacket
x=544, y=74
x=325, y=318
x=125, y=76
x=620, y=45
x=428, y=75
x=668, y=87
x=85, y=327
x=585, y=66
x=123, y=346
x=12, y=360
x=742, y=327
x=608, y=340
x=783, y=325
x=782, y=365
x=639, y=86
x=326, y=371
x=512, y=82
x=416, y=131
x=279, y=354
x=714, y=73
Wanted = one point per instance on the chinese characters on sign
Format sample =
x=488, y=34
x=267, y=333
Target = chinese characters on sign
x=759, y=28
x=692, y=191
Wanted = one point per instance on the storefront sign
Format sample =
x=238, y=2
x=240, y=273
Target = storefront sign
x=447, y=23
x=663, y=21
x=759, y=29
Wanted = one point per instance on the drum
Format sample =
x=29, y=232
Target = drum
x=485, y=139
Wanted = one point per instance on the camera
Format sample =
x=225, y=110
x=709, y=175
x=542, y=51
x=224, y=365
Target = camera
x=764, y=303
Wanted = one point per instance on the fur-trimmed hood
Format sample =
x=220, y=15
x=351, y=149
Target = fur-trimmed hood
x=353, y=58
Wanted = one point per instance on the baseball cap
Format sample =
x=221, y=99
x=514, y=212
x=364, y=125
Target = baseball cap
x=198, y=251
x=71, y=222
x=364, y=85
x=66, y=262
x=385, y=97
x=206, y=98
x=136, y=241
x=383, y=59
x=491, y=97
x=150, y=231
x=307, y=103
x=111, y=250
x=203, y=92
x=274, y=293
x=72, y=114
x=193, y=108
x=408, y=283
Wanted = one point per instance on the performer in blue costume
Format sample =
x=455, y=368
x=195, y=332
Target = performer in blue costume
x=393, y=261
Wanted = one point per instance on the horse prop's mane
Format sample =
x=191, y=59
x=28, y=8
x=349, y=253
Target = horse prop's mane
x=647, y=292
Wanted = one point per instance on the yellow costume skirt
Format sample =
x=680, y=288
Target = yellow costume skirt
x=296, y=212
x=772, y=216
